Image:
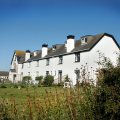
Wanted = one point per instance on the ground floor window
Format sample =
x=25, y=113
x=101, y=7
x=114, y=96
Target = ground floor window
x=47, y=73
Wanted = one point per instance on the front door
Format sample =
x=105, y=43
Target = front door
x=59, y=76
x=14, y=78
x=77, y=72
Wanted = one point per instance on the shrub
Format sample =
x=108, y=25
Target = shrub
x=26, y=79
x=107, y=97
x=48, y=80
x=67, y=79
x=3, y=86
x=39, y=79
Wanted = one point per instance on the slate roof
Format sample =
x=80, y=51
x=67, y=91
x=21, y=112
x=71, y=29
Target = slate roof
x=60, y=49
x=91, y=41
x=39, y=53
x=4, y=73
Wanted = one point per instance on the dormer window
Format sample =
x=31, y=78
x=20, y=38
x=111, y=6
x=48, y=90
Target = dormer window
x=47, y=61
x=77, y=57
x=83, y=40
x=54, y=47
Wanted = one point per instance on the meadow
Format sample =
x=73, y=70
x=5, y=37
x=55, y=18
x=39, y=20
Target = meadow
x=21, y=94
x=46, y=103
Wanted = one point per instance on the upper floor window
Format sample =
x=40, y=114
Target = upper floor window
x=37, y=73
x=22, y=65
x=37, y=63
x=77, y=57
x=29, y=64
x=15, y=58
x=47, y=73
x=47, y=61
x=60, y=59
x=28, y=73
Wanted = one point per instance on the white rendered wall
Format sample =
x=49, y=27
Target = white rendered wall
x=88, y=59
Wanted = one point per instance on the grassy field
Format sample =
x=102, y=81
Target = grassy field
x=45, y=103
x=21, y=95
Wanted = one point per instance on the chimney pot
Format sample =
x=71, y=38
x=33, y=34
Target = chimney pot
x=70, y=37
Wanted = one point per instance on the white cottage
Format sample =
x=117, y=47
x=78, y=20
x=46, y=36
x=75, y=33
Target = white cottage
x=76, y=58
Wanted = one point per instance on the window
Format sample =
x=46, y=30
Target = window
x=22, y=65
x=77, y=57
x=47, y=73
x=15, y=58
x=29, y=64
x=37, y=63
x=84, y=41
x=37, y=73
x=28, y=73
x=47, y=61
x=60, y=59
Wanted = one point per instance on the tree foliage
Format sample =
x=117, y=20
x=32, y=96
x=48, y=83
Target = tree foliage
x=107, y=97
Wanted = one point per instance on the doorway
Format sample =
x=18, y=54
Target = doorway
x=77, y=73
x=59, y=76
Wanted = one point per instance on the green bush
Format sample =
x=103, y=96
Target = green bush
x=39, y=79
x=26, y=79
x=48, y=80
x=67, y=79
x=3, y=86
x=107, y=97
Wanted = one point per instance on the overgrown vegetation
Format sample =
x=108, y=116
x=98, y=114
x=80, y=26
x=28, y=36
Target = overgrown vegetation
x=107, y=97
x=84, y=102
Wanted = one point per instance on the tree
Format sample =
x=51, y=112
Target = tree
x=107, y=97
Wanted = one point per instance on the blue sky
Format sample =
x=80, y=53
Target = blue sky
x=27, y=24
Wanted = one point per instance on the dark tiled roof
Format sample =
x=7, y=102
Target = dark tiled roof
x=60, y=49
x=91, y=41
x=4, y=73
x=35, y=57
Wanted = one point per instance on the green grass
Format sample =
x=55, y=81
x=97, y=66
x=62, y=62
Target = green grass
x=20, y=95
x=46, y=103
